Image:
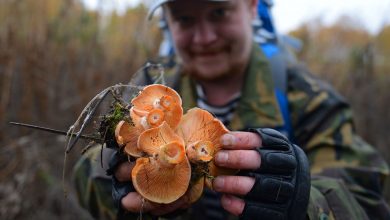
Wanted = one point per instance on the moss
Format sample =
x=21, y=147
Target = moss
x=117, y=113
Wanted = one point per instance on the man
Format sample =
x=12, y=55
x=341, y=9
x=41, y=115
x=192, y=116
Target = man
x=222, y=71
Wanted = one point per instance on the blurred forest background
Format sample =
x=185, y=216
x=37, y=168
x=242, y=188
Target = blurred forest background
x=55, y=56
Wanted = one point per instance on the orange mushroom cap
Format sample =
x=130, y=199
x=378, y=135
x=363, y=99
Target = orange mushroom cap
x=123, y=132
x=150, y=141
x=199, y=126
x=161, y=97
x=127, y=134
x=156, y=181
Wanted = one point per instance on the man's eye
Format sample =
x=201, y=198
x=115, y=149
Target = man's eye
x=219, y=13
x=184, y=19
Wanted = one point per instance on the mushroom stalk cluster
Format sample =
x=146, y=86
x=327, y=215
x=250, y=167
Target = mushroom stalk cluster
x=172, y=150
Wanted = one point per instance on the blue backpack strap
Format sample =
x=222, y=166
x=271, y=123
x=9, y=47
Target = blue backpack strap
x=278, y=65
x=279, y=76
x=268, y=42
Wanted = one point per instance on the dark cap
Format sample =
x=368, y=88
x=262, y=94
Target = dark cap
x=157, y=3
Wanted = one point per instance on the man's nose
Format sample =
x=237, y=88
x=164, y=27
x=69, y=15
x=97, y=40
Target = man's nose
x=204, y=33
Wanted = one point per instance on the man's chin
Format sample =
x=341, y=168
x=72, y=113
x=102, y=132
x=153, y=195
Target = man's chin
x=207, y=73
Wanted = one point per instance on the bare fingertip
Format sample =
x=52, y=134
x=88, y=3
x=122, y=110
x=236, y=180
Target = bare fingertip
x=228, y=139
x=233, y=204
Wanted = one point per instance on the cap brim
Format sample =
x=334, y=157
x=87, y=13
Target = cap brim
x=157, y=3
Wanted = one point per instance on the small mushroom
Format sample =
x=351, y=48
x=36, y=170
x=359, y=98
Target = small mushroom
x=126, y=135
x=201, y=133
x=200, y=152
x=157, y=97
x=165, y=175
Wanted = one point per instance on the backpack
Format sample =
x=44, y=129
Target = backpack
x=277, y=50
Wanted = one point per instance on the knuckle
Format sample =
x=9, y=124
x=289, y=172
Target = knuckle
x=248, y=140
x=239, y=185
x=236, y=157
x=245, y=159
x=244, y=139
x=235, y=184
x=242, y=157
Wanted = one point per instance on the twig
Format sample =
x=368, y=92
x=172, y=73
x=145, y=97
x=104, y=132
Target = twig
x=55, y=131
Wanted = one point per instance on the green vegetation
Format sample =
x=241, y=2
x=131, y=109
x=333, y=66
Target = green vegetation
x=358, y=65
x=117, y=113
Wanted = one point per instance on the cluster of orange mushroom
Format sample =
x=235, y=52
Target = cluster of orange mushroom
x=171, y=149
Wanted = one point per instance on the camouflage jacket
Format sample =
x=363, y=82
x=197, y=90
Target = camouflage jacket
x=347, y=173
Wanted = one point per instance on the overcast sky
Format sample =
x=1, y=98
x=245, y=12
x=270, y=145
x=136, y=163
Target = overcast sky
x=290, y=14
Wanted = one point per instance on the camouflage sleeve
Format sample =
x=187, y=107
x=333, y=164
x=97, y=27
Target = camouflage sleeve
x=348, y=173
x=93, y=186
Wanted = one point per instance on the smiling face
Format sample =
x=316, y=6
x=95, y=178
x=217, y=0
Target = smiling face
x=213, y=39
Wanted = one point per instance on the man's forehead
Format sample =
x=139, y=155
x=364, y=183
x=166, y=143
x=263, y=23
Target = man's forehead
x=157, y=3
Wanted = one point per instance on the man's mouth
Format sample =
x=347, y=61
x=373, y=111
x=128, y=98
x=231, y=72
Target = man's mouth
x=208, y=53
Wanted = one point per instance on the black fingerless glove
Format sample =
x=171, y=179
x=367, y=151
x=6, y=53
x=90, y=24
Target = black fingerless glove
x=282, y=183
x=119, y=189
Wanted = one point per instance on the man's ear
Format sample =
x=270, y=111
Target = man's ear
x=253, y=7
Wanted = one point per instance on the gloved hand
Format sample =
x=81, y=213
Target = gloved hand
x=274, y=182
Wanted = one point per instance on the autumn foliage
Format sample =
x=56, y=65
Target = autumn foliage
x=55, y=56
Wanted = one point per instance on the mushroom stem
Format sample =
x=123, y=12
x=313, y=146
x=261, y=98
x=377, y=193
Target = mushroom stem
x=171, y=154
x=200, y=151
x=153, y=119
x=166, y=102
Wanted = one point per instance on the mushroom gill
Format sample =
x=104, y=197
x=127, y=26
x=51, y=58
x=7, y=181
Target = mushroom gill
x=165, y=177
x=201, y=133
